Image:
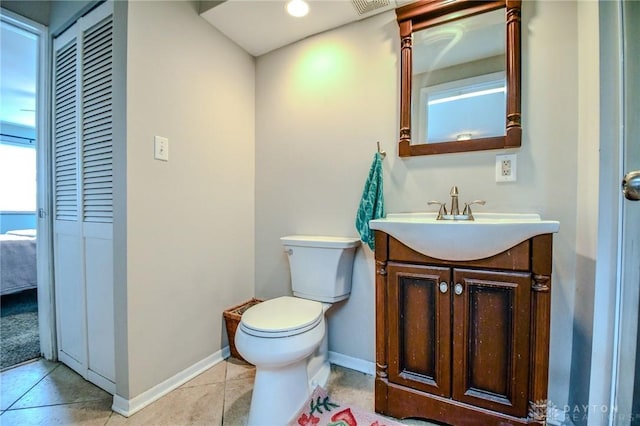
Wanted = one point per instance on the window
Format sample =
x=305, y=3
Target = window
x=17, y=178
x=470, y=108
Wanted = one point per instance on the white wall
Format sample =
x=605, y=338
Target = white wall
x=190, y=221
x=323, y=103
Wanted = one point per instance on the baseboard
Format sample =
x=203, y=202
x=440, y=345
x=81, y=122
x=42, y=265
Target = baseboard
x=128, y=407
x=366, y=367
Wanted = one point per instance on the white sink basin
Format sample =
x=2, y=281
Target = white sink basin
x=486, y=236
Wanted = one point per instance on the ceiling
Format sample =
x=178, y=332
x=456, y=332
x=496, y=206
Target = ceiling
x=260, y=26
x=18, y=71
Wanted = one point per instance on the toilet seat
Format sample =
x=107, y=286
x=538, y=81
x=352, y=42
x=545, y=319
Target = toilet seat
x=282, y=317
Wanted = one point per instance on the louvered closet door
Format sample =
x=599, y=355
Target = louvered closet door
x=97, y=193
x=84, y=196
x=68, y=244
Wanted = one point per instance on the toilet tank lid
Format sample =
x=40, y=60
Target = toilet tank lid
x=320, y=241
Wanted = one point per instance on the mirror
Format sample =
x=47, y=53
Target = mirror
x=459, y=81
x=460, y=76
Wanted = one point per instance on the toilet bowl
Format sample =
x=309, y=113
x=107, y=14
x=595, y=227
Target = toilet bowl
x=279, y=351
x=285, y=338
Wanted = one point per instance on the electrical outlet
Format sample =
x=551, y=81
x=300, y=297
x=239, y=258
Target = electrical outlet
x=506, y=168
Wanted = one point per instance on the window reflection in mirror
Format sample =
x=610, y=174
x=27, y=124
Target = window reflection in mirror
x=459, y=81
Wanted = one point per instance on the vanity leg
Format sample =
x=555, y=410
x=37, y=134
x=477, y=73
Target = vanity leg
x=381, y=381
x=540, y=325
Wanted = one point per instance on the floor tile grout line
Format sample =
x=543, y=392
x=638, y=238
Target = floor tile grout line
x=57, y=405
x=224, y=391
x=106, y=422
x=34, y=385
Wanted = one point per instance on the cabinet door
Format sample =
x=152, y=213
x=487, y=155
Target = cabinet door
x=491, y=340
x=420, y=327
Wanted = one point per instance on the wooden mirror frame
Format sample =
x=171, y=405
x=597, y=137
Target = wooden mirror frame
x=428, y=13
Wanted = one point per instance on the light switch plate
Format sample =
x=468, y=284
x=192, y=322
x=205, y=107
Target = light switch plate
x=161, y=148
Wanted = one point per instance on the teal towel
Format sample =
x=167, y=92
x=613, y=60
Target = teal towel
x=372, y=203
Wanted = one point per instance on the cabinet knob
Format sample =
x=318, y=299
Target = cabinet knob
x=444, y=287
x=458, y=289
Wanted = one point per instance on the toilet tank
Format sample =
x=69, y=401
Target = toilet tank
x=320, y=266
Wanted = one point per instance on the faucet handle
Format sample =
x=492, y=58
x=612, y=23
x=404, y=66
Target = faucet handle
x=443, y=208
x=467, y=207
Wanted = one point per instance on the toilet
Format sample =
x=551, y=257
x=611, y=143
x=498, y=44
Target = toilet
x=286, y=338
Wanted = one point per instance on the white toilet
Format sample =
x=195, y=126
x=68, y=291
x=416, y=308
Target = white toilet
x=285, y=338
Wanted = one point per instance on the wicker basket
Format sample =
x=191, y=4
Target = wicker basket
x=232, y=319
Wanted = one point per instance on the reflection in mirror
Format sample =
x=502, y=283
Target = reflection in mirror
x=459, y=81
x=460, y=76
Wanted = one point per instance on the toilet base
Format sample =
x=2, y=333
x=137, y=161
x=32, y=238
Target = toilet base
x=321, y=376
x=278, y=394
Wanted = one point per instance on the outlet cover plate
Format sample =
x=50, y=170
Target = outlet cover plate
x=506, y=168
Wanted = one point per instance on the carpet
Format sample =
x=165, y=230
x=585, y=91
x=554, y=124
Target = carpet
x=321, y=410
x=19, y=337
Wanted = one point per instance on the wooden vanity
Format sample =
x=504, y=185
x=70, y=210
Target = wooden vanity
x=463, y=342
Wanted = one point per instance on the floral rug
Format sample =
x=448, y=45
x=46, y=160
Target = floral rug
x=321, y=410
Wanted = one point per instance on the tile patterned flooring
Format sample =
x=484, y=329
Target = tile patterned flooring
x=47, y=393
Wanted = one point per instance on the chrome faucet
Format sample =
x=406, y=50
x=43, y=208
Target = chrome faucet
x=467, y=208
x=443, y=209
x=454, y=201
x=455, y=210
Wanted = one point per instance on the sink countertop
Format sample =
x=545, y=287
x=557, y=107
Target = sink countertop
x=460, y=240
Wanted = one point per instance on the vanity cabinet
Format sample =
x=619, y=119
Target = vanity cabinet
x=464, y=343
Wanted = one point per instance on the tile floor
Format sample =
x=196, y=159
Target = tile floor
x=47, y=393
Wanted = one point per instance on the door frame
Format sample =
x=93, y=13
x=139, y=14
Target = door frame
x=611, y=307
x=46, y=305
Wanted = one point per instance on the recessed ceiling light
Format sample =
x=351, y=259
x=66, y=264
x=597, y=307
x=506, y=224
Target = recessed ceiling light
x=297, y=8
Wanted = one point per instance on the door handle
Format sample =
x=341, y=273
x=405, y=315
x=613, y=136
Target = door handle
x=444, y=287
x=631, y=186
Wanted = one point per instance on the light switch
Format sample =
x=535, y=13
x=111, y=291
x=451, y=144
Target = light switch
x=161, y=148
